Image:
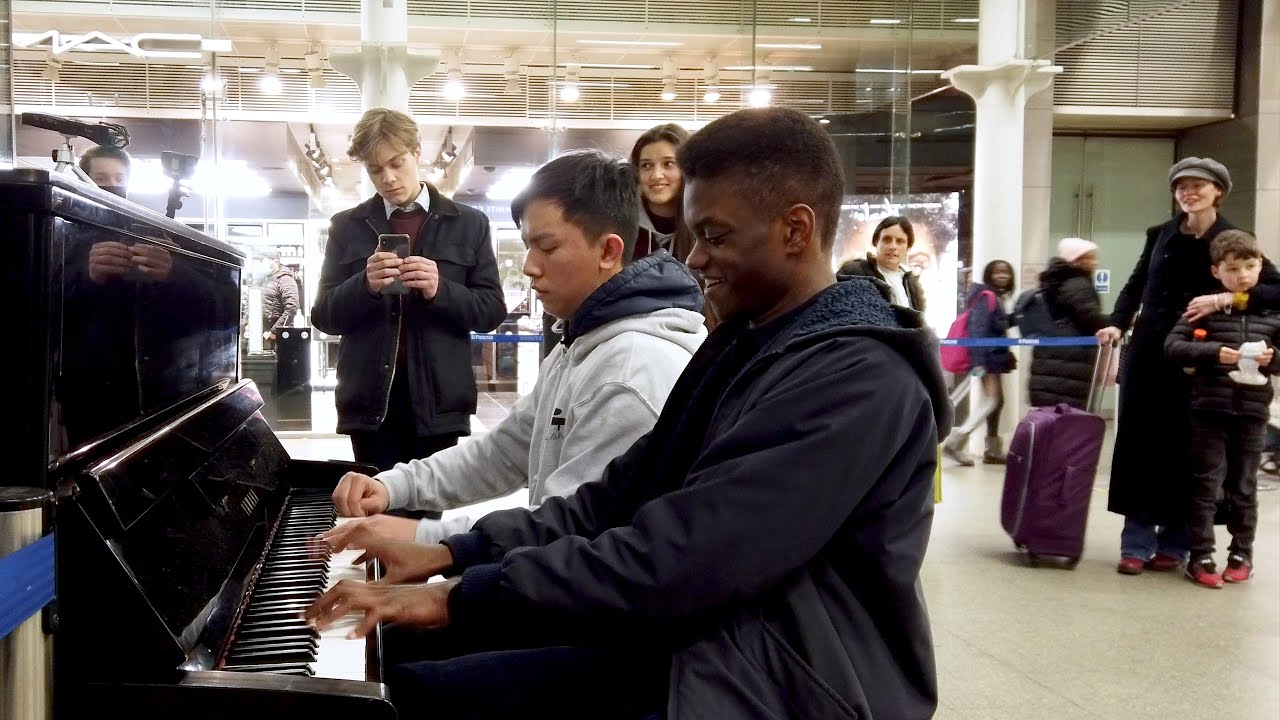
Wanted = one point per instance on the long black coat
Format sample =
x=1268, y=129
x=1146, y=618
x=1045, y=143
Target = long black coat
x=1150, y=468
x=1064, y=374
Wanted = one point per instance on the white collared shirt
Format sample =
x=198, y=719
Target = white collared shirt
x=407, y=208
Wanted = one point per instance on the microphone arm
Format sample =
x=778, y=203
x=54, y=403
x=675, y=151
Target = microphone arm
x=101, y=133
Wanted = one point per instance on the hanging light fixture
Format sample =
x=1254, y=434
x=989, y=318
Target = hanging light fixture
x=315, y=67
x=712, y=82
x=668, y=80
x=511, y=74
x=454, y=89
x=269, y=83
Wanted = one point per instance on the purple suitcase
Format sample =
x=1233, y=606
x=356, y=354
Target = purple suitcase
x=1049, y=474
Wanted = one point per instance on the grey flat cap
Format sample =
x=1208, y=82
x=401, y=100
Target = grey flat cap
x=1203, y=168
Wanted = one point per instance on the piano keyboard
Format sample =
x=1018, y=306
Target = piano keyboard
x=272, y=637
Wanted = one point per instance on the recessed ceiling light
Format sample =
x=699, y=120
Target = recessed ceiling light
x=884, y=21
x=791, y=46
x=824, y=121
x=648, y=43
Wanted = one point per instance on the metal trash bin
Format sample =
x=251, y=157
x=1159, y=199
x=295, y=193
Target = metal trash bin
x=26, y=586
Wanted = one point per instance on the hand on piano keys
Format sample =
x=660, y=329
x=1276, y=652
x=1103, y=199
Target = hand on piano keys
x=357, y=531
x=359, y=607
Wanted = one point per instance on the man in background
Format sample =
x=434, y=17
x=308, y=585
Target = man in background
x=108, y=167
x=279, y=299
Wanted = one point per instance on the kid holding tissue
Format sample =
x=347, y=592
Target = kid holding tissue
x=1225, y=351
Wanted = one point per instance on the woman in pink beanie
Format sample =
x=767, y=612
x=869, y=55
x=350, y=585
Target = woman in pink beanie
x=1063, y=374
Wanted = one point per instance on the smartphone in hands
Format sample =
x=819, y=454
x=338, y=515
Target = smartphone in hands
x=397, y=243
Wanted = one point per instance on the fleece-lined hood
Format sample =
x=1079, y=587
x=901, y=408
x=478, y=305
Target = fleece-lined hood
x=857, y=306
x=656, y=282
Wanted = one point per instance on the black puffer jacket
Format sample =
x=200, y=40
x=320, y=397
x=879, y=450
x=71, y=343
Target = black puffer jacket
x=1063, y=374
x=1213, y=390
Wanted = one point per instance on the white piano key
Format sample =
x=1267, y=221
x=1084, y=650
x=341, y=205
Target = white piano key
x=336, y=656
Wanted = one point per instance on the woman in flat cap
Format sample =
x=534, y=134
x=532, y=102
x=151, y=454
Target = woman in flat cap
x=1150, y=468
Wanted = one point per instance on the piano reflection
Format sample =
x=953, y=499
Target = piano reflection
x=181, y=523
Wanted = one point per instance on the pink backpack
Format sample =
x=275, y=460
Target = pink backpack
x=955, y=358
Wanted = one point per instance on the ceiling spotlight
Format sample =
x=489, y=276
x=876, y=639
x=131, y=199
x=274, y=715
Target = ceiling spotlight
x=211, y=84
x=454, y=89
x=711, y=96
x=712, y=83
x=668, y=90
x=52, y=67
x=668, y=80
x=270, y=81
x=569, y=91
x=315, y=67
x=511, y=73
x=760, y=97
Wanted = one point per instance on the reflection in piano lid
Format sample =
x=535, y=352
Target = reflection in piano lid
x=177, y=510
x=187, y=556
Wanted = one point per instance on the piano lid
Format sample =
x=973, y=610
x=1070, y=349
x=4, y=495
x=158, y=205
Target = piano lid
x=121, y=316
x=183, y=513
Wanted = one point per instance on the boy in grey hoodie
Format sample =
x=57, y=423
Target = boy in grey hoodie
x=628, y=330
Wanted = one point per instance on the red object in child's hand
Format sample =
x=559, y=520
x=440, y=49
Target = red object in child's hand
x=1200, y=334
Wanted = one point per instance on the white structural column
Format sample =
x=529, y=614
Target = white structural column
x=1267, y=208
x=383, y=67
x=1000, y=85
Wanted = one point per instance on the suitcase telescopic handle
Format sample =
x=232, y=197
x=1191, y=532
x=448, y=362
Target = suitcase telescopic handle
x=1098, y=384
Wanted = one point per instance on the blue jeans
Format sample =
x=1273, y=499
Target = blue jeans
x=1142, y=540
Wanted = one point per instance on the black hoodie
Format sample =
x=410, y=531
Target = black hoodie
x=782, y=564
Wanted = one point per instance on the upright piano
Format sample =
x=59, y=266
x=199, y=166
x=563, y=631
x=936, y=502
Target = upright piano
x=181, y=523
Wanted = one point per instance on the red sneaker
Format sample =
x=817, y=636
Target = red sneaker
x=1203, y=572
x=1130, y=566
x=1239, y=569
x=1164, y=563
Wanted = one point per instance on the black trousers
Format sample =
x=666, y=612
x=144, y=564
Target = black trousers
x=1227, y=451
x=520, y=672
x=396, y=440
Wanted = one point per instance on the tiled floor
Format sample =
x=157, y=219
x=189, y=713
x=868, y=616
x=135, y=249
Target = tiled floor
x=1021, y=643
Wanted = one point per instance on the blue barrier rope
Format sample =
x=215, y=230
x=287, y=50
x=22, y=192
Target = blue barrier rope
x=505, y=338
x=1078, y=341
x=26, y=583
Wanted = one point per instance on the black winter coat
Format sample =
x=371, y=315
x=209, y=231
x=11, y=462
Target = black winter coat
x=1064, y=374
x=867, y=267
x=1150, y=467
x=436, y=332
x=1212, y=389
x=778, y=554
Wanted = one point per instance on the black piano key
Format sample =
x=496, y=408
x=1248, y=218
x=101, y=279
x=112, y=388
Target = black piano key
x=248, y=643
x=284, y=668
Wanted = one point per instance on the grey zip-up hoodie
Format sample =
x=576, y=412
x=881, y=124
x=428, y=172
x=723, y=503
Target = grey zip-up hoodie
x=598, y=391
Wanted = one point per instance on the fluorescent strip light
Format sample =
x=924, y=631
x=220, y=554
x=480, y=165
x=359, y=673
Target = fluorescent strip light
x=215, y=45
x=791, y=46
x=884, y=21
x=800, y=20
x=647, y=43
x=785, y=68
x=965, y=20
x=614, y=66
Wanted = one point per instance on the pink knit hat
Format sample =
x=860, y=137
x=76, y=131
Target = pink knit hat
x=1071, y=249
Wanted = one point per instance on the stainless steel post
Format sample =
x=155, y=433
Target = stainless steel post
x=26, y=654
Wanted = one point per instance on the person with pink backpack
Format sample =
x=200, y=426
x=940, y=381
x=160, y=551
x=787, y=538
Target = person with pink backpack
x=984, y=316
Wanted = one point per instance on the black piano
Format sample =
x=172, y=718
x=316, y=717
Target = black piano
x=181, y=523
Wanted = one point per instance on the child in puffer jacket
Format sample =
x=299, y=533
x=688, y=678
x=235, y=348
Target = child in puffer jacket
x=1230, y=406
